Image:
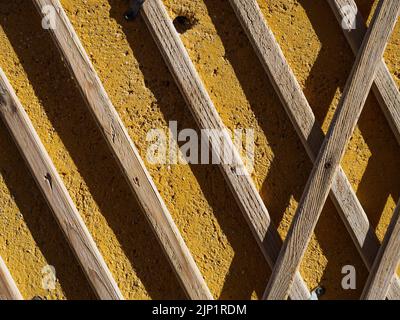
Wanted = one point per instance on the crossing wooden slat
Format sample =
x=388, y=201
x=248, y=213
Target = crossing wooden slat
x=332, y=150
x=126, y=154
x=207, y=117
x=384, y=87
x=386, y=263
x=8, y=288
x=56, y=194
x=303, y=119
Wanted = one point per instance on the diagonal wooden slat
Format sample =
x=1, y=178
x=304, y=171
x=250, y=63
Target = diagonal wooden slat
x=8, y=288
x=332, y=150
x=54, y=191
x=126, y=154
x=303, y=119
x=207, y=117
x=384, y=87
x=386, y=263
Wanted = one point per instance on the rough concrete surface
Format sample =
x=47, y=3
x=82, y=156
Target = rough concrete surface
x=146, y=97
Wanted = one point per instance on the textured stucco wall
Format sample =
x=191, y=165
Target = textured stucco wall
x=146, y=97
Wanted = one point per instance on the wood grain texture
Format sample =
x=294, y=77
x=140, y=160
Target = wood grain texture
x=386, y=263
x=8, y=288
x=310, y=133
x=126, y=155
x=384, y=87
x=207, y=117
x=55, y=193
x=332, y=150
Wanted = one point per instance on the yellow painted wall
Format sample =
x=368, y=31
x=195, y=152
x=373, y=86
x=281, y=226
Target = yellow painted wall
x=146, y=97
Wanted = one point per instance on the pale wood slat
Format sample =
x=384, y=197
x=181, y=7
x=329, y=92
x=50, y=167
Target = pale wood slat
x=126, y=154
x=303, y=119
x=386, y=263
x=384, y=87
x=8, y=288
x=207, y=117
x=56, y=194
x=332, y=150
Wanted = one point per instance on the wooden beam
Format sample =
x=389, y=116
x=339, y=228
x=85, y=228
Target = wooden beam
x=303, y=119
x=384, y=87
x=207, y=117
x=57, y=196
x=126, y=154
x=8, y=288
x=332, y=150
x=386, y=263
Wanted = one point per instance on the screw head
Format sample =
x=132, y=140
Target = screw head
x=130, y=15
x=134, y=10
x=320, y=291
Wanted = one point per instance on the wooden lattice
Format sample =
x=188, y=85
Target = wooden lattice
x=326, y=152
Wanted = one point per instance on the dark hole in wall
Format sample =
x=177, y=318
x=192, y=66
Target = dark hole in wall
x=184, y=23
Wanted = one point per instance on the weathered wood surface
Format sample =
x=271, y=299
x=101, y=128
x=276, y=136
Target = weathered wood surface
x=332, y=150
x=8, y=288
x=55, y=192
x=386, y=263
x=384, y=87
x=207, y=117
x=303, y=119
x=126, y=154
